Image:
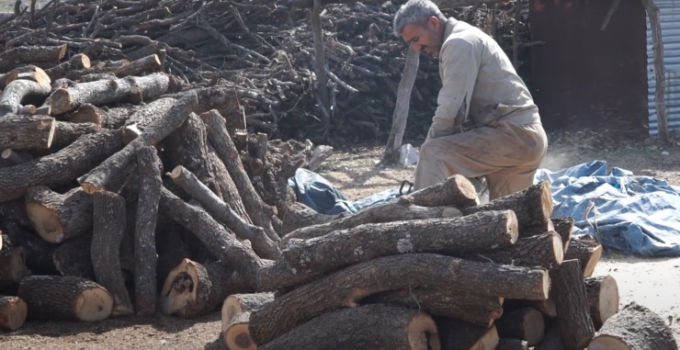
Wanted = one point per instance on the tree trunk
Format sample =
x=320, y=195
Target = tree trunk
x=380, y=213
x=313, y=258
x=23, y=132
x=456, y=191
x=61, y=167
x=634, y=328
x=237, y=304
x=365, y=327
x=65, y=298
x=400, y=115
x=149, y=167
x=512, y=344
x=30, y=54
x=533, y=206
x=20, y=91
x=12, y=262
x=346, y=287
x=72, y=258
x=523, y=324
x=587, y=251
x=565, y=227
x=58, y=217
x=458, y=335
x=13, y=313
x=552, y=339
x=101, y=92
x=544, y=251
x=576, y=326
x=603, y=298
x=107, y=233
x=170, y=115
x=478, y=310
x=38, y=252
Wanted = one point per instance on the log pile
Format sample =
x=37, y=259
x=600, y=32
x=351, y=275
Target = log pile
x=262, y=52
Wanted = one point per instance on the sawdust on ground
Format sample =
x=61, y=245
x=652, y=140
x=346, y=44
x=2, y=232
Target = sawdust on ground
x=651, y=282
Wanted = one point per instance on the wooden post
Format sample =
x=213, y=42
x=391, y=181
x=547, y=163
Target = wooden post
x=659, y=68
x=400, y=114
x=320, y=59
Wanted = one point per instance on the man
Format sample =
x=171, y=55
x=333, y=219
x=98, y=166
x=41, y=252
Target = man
x=486, y=124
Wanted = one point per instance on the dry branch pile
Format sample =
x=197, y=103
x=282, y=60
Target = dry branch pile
x=261, y=51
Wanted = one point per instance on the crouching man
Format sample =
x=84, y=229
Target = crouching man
x=486, y=124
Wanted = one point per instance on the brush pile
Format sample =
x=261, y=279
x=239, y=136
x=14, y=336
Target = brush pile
x=262, y=51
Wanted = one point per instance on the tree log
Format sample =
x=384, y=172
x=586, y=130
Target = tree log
x=38, y=252
x=72, y=258
x=138, y=67
x=17, y=56
x=546, y=307
x=107, y=232
x=12, y=262
x=603, y=298
x=346, y=287
x=552, y=340
x=262, y=245
x=523, y=324
x=533, y=206
x=58, y=217
x=13, y=313
x=61, y=167
x=380, y=213
x=400, y=113
x=65, y=298
x=576, y=326
x=149, y=167
x=312, y=258
x=20, y=91
x=10, y=157
x=100, y=92
x=170, y=114
x=512, y=344
x=77, y=62
x=535, y=230
x=565, y=227
x=635, y=327
x=23, y=132
x=459, y=335
x=478, y=310
x=66, y=133
x=296, y=215
x=365, y=327
x=15, y=211
x=30, y=72
x=107, y=117
x=456, y=191
x=237, y=304
x=544, y=250
x=587, y=250
x=236, y=334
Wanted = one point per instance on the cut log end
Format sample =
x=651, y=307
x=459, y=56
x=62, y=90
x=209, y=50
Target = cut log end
x=592, y=263
x=94, y=304
x=46, y=222
x=237, y=335
x=609, y=298
x=13, y=312
x=179, y=289
x=546, y=199
x=423, y=333
x=60, y=101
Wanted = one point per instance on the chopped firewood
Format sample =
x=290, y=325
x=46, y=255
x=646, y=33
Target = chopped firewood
x=137, y=67
x=564, y=226
x=237, y=304
x=70, y=299
x=312, y=258
x=587, y=250
x=512, y=344
x=145, y=255
x=533, y=206
x=170, y=114
x=77, y=62
x=32, y=73
x=12, y=262
x=459, y=335
x=30, y=54
x=456, y=191
x=603, y=298
x=72, y=258
x=417, y=270
x=573, y=311
x=380, y=213
x=635, y=327
x=19, y=91
x=58, y=217
x=552, y=340
x=37, y=251
x=13, y=313
x=23, y=132
x=523, y=324
x=544, y=250
x=107, y=233
x=365, y=327
x=479, y=310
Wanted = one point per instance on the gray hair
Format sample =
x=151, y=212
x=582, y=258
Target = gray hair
x=415, y=12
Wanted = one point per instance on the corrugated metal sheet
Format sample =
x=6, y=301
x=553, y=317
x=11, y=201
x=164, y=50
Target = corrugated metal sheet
x=669, y=12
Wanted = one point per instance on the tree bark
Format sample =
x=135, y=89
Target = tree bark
x=587, y=250
x=365, y=327
x=512, y=344
x=478, y=310
x=139, y=66
x=536, y=230
x=18, y=56
x=18, y=91
x=296, y=215
x=400, y=115
x=58, y=217
x=262, y=245
x=65, y=298
x=459, y=335
x=77, y=62
x=15, y=211
x=23, y=132
x=456, y=191
x=533, y=206
x=149, y=167
x=101, y=92
x=13, y=313
x=66, y=133
x=73, y=258
x=603, y=298
x=170, y=114
x=576, y=326
x=544, y=251
x=107, y=233
x=523, y=324
x=346, y=287
x=635, y=327
x=380, y=213
x=61, y=167
x=564, y=226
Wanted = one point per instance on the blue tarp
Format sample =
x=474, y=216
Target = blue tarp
x=633, y=214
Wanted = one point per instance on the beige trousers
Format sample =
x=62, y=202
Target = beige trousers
x=507, y=154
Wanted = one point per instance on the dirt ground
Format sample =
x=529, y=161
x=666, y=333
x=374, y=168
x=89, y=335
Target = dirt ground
x=650, y=282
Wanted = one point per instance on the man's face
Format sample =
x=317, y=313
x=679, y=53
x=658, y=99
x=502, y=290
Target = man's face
x=426, y=37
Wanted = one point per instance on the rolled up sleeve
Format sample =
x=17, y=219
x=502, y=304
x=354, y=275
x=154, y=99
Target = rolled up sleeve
x=460, y=65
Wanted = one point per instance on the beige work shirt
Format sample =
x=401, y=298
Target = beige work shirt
x=477, y=74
